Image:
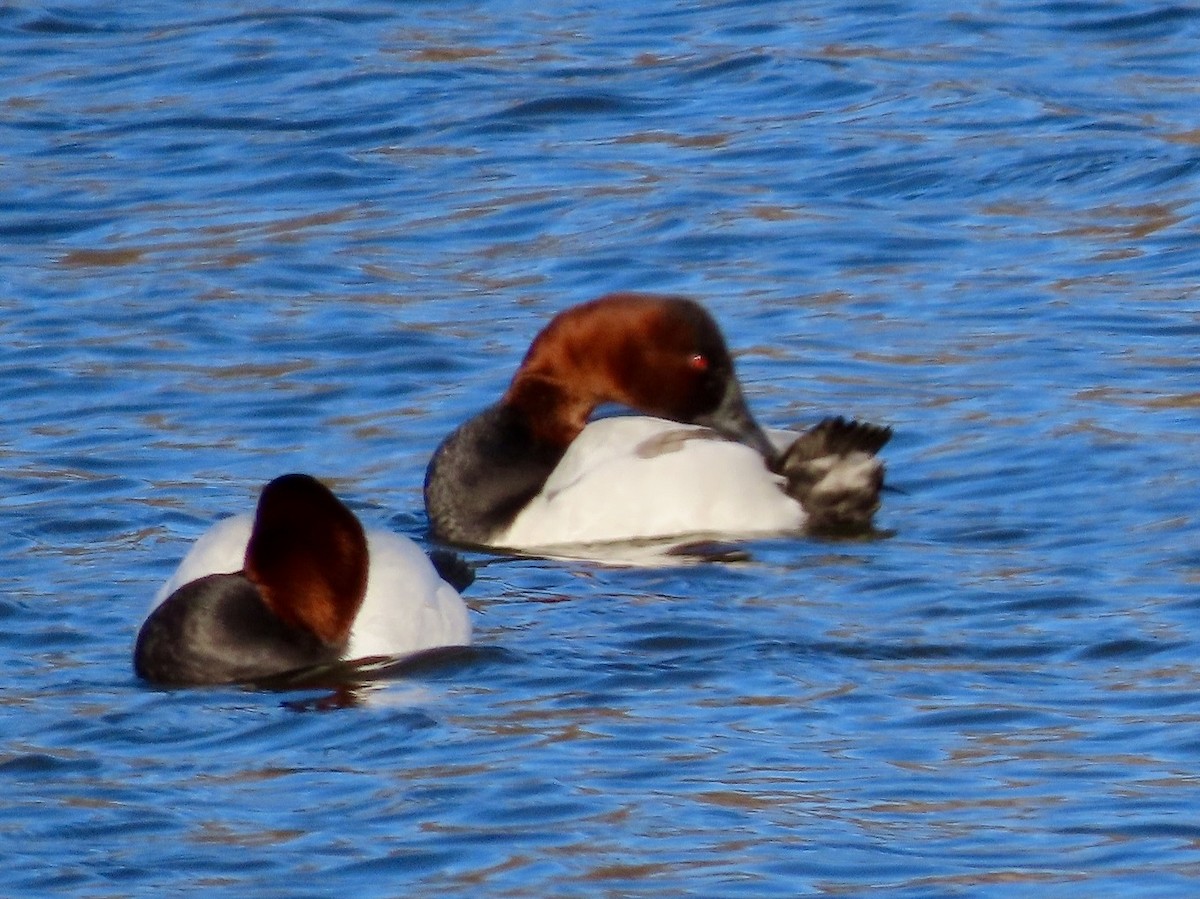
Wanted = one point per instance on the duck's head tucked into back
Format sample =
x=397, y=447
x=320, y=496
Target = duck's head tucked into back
x=532, y=471
x=291, y=606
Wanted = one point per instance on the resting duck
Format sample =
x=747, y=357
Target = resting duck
x=300, y=584
x=533, y=471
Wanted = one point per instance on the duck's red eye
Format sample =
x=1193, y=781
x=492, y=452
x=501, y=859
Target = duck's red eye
x=698, y=362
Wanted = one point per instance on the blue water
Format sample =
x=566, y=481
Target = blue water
x=236, y=242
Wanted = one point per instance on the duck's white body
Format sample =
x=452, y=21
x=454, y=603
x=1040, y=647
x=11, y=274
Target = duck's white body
x=533, y=472
x=407, y=608
x=637, y=477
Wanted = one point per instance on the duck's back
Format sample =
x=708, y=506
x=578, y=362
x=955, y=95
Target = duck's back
x=634, y=477
x=219, y=550
x=407, y=607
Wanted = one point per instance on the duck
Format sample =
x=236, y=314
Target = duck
x=298, y=584
x=537, y=470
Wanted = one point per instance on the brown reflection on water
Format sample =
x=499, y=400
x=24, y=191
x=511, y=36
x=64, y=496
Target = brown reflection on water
x=1139, y=399
x=217, y=832
x=682, y=141
x=222, y=245
x=1133, y=222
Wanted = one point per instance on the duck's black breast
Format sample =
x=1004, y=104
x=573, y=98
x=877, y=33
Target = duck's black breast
x=484, y=474
x=218, y=630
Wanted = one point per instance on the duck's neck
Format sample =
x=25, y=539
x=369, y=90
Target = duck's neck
x=484, y=473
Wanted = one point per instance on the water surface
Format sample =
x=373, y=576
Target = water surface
x=240, y=241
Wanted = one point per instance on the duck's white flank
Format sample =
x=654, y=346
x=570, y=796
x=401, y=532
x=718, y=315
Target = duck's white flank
x=407, y=608
x=635, y=477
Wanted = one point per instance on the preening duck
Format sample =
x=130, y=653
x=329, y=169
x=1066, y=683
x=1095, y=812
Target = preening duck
x=299, y=584
x=533, y=471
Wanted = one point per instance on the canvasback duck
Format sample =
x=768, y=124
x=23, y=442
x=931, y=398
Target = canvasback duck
x=532, y=471
x=297, y=585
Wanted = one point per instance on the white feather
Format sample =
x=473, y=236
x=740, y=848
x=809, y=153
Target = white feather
x=408, y=607
x=635, y=477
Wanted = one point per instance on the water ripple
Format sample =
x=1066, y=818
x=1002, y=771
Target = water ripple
x=243, y=241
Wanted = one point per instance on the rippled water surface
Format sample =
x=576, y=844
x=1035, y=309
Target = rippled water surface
x=239, y=241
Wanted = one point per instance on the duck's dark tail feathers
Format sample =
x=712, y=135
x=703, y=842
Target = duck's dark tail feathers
x=452, y=568
x=832, y=471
